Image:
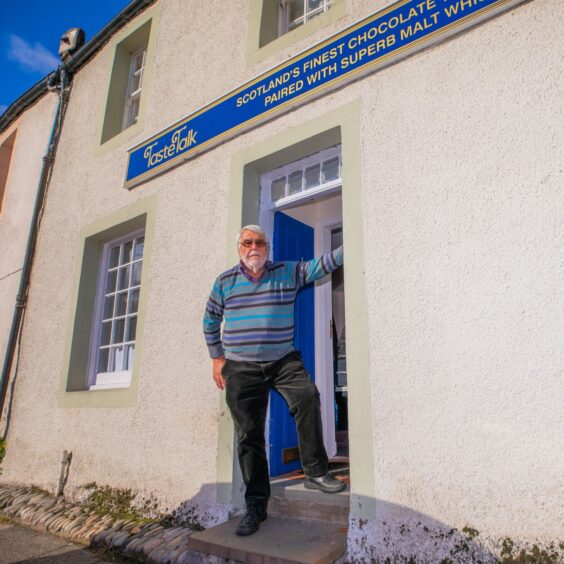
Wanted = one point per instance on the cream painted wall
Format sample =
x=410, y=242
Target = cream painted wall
x=462, y=172
x=33, y=130
x=461, y=183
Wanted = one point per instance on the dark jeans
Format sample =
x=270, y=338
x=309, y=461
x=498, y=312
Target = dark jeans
x=247, y=387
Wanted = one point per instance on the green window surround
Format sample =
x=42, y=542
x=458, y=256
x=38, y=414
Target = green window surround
x=264, y=39
x=74, y=390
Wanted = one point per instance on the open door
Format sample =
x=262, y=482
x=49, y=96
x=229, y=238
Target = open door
x=292, y=241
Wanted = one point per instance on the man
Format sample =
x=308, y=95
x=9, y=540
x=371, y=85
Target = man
x=256, y=299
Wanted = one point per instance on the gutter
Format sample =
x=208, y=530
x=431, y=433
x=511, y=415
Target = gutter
x=79, y=59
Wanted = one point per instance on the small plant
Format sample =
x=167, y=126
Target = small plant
x=116, y=502
x=470, y=533
x=536, y=555
x=120, y=503
x=3, y=446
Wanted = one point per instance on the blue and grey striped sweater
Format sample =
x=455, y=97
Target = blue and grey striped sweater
x=259, y=315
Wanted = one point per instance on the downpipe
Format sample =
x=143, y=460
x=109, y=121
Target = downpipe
x=60, y=81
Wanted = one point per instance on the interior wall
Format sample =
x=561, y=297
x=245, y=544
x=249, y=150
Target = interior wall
x=313, y=211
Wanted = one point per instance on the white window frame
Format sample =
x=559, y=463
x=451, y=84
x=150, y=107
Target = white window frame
x=268, y=207
x=132, y=96
x=108, y=380
x=284, y=23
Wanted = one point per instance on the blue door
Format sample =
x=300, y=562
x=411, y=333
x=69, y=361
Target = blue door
x=292, y=241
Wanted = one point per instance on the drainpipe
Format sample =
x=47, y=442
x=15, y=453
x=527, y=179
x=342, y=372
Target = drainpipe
x=60, y=81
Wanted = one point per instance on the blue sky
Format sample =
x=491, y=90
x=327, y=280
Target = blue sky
x=29, y=37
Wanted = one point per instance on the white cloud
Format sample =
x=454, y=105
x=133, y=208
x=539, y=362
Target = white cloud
x=31, y=57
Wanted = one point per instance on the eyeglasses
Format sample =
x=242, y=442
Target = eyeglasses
x=248, y=243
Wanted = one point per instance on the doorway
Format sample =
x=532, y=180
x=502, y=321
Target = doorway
x=301, y=209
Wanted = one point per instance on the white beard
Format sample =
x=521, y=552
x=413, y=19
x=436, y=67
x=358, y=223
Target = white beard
x=254, y=263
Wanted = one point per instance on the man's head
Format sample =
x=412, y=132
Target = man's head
x=252, y=244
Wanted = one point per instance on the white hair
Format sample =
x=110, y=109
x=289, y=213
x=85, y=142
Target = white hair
x=255, y=229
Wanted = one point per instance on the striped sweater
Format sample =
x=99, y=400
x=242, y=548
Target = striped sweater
x=259, y=314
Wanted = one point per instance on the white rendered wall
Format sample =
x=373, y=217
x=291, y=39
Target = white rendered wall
x=33, y=130
x=464, y=238
x=462, y=187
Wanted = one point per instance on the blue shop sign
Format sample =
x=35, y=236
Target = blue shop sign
x=386, y=36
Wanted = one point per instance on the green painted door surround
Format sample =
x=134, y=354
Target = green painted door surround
x=340, y=125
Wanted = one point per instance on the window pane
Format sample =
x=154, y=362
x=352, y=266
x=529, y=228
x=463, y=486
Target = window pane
x=118, y=329
x=294, y=9
x=278, y=188
x=106, y=332
x=138, y=60
x=134, y=110
x=111, y=283
x=139, y=244
x=312, y=176
x=116, y=359
x=133, y=301
x=126, y=254
x=295, y=182
x=129, y=354
x=313, y=5
x=112, y=360
x=114, y=256
x=103, y=360
x=119, y=358
x=136, y=274
x=131, y=328
x=123, y=281
x=121, y=304
x=135, y=82
x=109, y=307
x=331, y=169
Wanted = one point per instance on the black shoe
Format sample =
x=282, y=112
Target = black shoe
x=250, y=522
x=325, y=483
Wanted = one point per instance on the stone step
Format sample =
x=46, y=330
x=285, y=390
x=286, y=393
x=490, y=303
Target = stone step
x=290, y=499
x=278, y=541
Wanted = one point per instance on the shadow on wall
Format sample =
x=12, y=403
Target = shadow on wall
x=401, y=534
x=201, y=511
x=395, y=533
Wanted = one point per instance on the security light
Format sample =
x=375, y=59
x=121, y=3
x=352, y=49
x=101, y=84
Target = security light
x=71, y=41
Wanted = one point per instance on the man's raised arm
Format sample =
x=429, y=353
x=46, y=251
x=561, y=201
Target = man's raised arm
x=317, y=268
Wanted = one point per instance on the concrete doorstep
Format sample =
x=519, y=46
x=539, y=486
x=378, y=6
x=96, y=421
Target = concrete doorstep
x=278, y=541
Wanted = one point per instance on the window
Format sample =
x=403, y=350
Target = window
x=117, y=303
x=294, y=13
x=124, y=104
x=320, y=172
x=135, y=81
x=5, y=157
x=104, y=349
x=276, y=25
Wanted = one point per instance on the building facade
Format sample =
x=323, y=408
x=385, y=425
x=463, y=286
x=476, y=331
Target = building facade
x=439, y=169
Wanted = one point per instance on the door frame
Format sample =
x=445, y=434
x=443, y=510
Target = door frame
x=324, y=377
x=306, y=131
x=324, y=347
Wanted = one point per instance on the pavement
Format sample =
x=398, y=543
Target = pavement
x=22, y=545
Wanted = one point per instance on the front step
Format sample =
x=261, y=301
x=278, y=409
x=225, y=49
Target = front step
x=290, y=499
x=278, y=541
